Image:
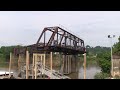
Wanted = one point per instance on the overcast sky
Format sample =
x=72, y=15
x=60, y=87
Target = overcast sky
x=25, y=27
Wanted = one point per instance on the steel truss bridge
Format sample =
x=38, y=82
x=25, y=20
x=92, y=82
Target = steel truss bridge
x=55, y=39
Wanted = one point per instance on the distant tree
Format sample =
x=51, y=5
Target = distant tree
x=116, y=47
x=5, y=52
x=87, y=46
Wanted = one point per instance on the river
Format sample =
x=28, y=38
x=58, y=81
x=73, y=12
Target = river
x=91, y=70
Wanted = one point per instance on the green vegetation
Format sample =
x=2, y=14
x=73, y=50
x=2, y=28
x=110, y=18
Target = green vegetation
x=93, y=54
x=101, y=75
x=104, y=61
x=101, y=56
x=5, y=53
x=116, y=47
x=94, y=51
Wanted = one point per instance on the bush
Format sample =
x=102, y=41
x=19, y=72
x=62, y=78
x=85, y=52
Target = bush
x=104, y=61
x=101, y=75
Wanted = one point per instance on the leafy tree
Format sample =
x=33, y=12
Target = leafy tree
x=104, y=61
x=116, y=47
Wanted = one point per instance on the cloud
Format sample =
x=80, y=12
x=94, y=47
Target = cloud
x=25, y=27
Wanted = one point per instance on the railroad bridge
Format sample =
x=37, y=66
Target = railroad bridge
x=54, y=39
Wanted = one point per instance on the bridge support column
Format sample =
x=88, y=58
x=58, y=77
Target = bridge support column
x=60, y=58
x=70, y=64
x=67, y=67
x=21, y=62
x=84, y=65
x=64, y=64
x=51, y=54
x=74, y=64
x=33, y=66
x=77, y=66
x=19, y=73
x=38, y=58
x=27, y=64
x=10, y=64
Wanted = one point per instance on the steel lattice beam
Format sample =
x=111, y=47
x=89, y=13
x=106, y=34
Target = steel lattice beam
x=59, y=41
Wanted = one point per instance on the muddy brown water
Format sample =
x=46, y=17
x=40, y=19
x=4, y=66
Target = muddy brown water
x=91, y=70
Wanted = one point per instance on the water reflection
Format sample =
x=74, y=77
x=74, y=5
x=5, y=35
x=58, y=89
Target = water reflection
x=91, y=70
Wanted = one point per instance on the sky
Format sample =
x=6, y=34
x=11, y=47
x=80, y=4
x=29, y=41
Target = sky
x=25, y=27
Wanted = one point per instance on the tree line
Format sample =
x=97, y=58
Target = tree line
x=5, y=52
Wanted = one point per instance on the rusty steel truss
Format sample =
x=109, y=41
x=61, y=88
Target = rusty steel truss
x=55, y=39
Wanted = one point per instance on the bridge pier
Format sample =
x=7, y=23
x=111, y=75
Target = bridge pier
x=69, y=64
x=38, y=58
